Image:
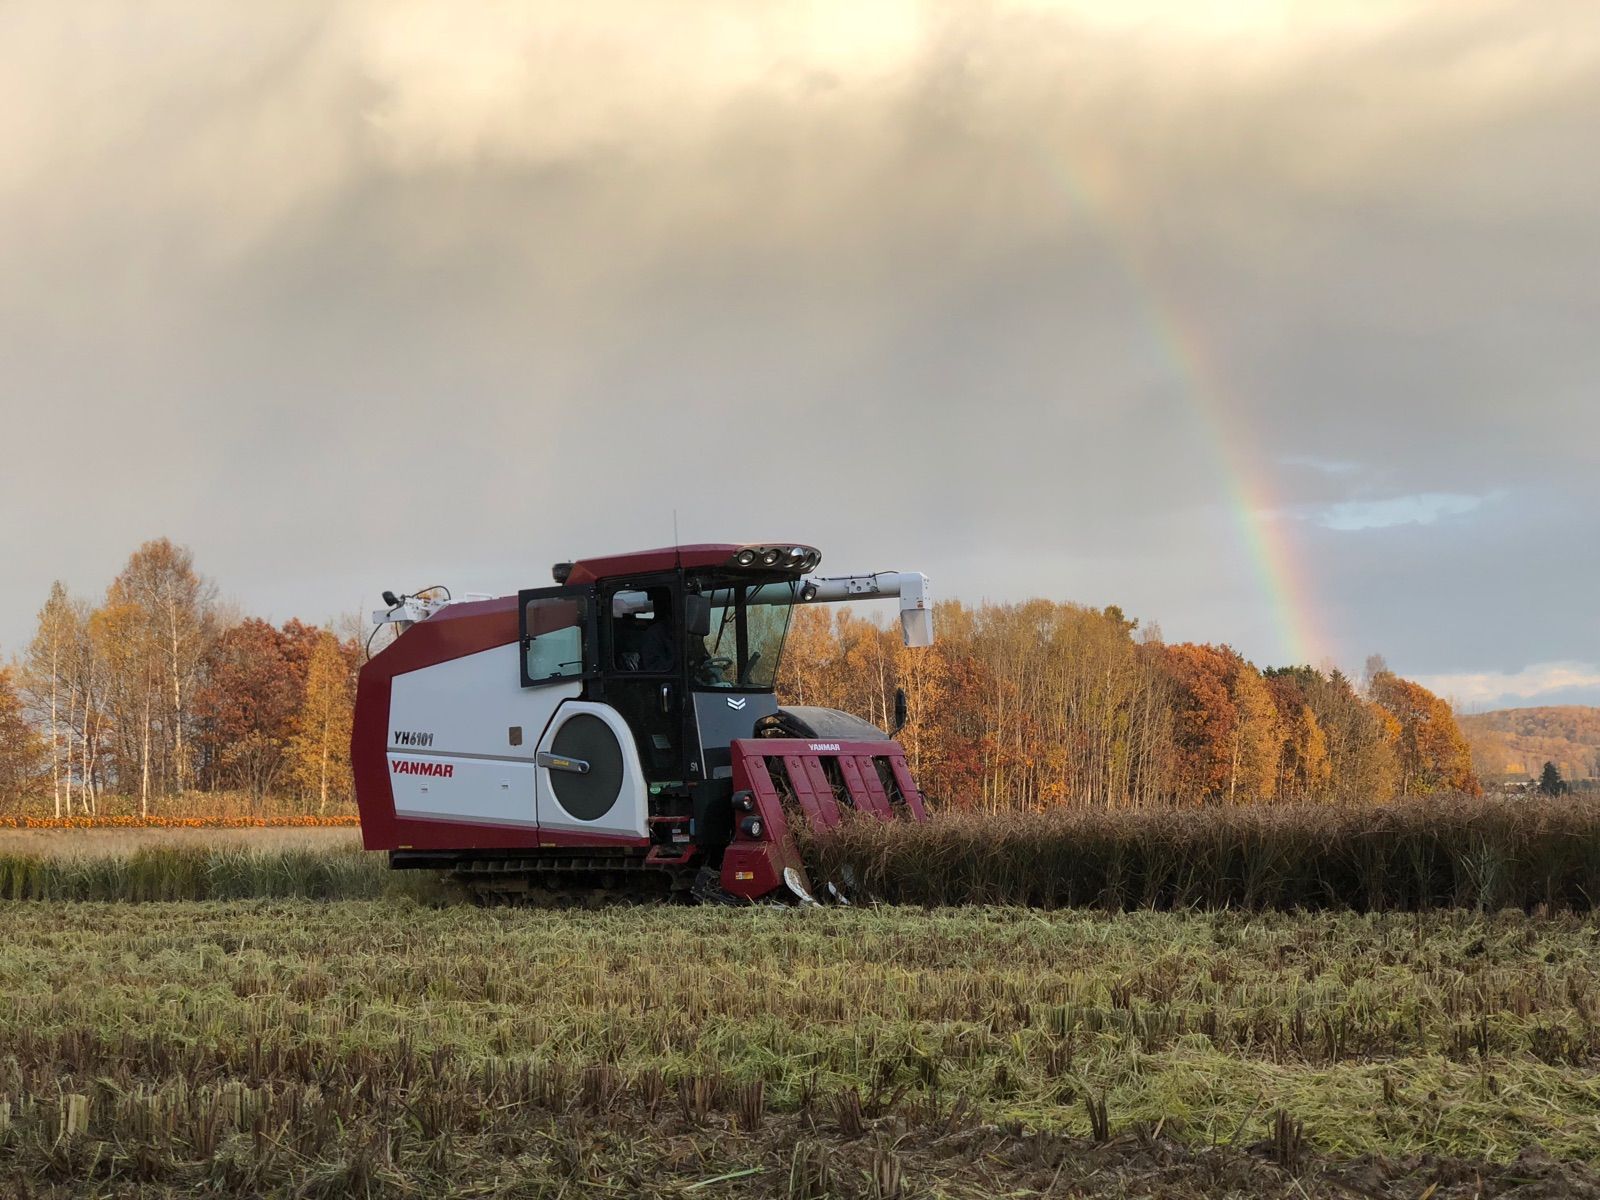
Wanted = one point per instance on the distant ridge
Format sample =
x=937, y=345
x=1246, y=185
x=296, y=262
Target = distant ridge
x=1517, y=742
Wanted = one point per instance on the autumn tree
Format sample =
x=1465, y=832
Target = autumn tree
x=47, y=682
x=1258, y=737
x=1362, y=739
x=1434, y=756
x=23, y=762
x=1305, y=768
x=320, y=746
x=120, y=641
x=255, y=681
x=87, y=718
x=1204, y=719
x=165, y=616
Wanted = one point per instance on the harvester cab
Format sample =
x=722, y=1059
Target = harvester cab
x=620, y=732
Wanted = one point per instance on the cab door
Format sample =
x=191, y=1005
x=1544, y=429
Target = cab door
x=642, y=668
x=558, y=662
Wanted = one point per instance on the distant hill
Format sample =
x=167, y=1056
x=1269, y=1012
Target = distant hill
x=1517, y=742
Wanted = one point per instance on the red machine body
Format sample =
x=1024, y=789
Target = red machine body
x=620, y=731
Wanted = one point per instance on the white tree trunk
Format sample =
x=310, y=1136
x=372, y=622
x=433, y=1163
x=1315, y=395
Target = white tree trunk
x=144, y=776
x=55, y=741
x=175, y=643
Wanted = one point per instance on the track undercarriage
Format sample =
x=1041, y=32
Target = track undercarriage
x=580, y=880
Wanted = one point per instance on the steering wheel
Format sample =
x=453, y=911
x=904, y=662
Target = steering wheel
x=711, y=669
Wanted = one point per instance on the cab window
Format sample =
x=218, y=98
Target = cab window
x=553, y=643
x=745, y=644
x=643, y=637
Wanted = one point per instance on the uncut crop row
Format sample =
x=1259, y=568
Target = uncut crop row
x=1452, y=852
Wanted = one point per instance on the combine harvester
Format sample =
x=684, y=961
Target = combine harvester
x=619, y=733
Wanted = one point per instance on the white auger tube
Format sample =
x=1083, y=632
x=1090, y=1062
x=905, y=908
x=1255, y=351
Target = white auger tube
x=916, y=599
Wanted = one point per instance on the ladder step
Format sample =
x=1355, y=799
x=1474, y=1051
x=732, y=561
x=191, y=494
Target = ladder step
x=662, y=856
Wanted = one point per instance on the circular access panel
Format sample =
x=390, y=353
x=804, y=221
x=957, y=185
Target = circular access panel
x=588, y=797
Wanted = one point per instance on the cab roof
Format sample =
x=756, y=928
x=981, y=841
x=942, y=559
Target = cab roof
x=732, y=555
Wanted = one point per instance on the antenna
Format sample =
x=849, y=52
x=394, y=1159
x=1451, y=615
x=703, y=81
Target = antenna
x=676, y=545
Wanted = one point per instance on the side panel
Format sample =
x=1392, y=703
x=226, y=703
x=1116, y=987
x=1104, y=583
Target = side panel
x=456, y=632
x=597, y=735
x=451, y=733
x=471, y=790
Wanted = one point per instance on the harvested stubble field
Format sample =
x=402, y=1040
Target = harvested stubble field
x=388, y=1048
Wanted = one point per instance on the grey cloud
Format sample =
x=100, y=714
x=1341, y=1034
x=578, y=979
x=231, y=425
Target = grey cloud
x=355, y=297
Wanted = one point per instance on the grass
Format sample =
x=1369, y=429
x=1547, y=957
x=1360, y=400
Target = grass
x=226, y=869
x=98, y=842
x=184, y=806
x=388, y=1048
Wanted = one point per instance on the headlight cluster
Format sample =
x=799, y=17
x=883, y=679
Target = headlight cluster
x=777, y=558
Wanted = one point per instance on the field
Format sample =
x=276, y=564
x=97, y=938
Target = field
x=283, y=1016
x=298, y=1048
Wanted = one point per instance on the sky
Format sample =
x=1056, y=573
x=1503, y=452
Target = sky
x=1273, y=323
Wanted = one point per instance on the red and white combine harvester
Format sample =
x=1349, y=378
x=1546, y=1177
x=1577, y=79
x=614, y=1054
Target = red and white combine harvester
x=619, y=732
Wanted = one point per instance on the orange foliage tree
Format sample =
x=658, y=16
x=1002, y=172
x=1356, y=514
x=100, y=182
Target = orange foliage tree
x=320, y=746
x=1433, y=752
x=1304, y=766
x=255, y=684
x=1204, y=719
x=24, y=763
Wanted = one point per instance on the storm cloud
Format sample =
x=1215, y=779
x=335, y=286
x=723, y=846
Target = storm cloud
x=1026, y=296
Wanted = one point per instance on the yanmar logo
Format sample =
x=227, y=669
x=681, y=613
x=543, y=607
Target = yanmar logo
x=824, y=745
x=404, y=766
x=403, y=737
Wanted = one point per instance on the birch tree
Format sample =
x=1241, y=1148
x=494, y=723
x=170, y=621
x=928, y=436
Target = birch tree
x=174, y=625
x=46, y=683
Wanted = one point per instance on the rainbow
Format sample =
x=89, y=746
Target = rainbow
x=1263, y=531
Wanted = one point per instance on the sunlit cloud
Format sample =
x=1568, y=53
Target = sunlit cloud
x=1551, y=681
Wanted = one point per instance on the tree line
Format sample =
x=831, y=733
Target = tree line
x=159, y=691
x=1041, y=704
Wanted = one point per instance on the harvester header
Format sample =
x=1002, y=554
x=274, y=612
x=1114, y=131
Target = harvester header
x=620, y=731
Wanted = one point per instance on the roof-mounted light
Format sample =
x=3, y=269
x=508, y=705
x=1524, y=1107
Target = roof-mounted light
x=778, y=558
